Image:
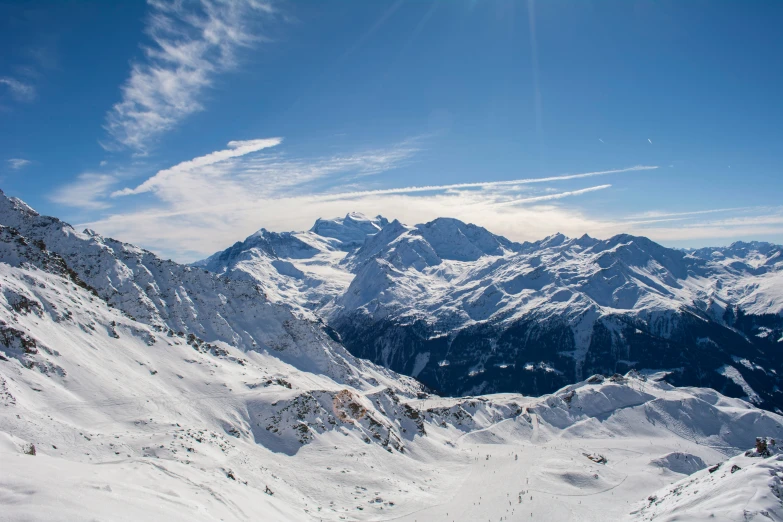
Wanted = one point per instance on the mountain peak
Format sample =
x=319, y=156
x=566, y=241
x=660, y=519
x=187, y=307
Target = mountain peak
x=22, y=206
x=356, y=218
x=445, y=221
x=555, y=239
x=359, y=217
x=456, y=240
x=349, y=231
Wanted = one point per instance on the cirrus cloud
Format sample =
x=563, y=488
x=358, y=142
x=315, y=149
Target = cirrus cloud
x=18, y=163
x=87, y=192
x=193, y=41
x=20, y=91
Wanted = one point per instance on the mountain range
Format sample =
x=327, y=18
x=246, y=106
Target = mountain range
x=466, y=311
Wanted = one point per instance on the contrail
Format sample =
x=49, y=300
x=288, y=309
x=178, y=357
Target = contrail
x=558, y=195
x=482, y=184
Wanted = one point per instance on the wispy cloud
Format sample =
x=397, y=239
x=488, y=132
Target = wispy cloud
x=20, y=91
x=240, y=167
x=192, y=42
x=27, y=64
x=484, y=184
x=656, y=214
x=235, y=149
x=770, y=218
x=557, y=195
x=653, y=217
x=280, y=175
x=88, y=192
x=18, y=163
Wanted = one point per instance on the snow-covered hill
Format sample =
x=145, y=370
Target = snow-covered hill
x=133, y=388
x=466, y=311
x=746, y=487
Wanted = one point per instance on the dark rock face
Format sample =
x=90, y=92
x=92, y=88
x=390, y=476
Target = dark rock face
x=534, y=358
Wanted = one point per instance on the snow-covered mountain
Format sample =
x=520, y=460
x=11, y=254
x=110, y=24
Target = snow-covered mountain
x=133, y=388
x=188, y=301
x=466, y=311
x=300, y=269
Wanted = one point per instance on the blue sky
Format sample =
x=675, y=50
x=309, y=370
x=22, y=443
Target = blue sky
x=186, y=126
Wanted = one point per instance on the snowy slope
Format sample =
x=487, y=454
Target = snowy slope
x=467, y=311
x=187, y=300
x=300, y=269
x=745, y=487
x=167, y=415
x=169, y=418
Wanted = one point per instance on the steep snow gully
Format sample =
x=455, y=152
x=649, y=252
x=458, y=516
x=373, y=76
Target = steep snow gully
x=133, y=388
